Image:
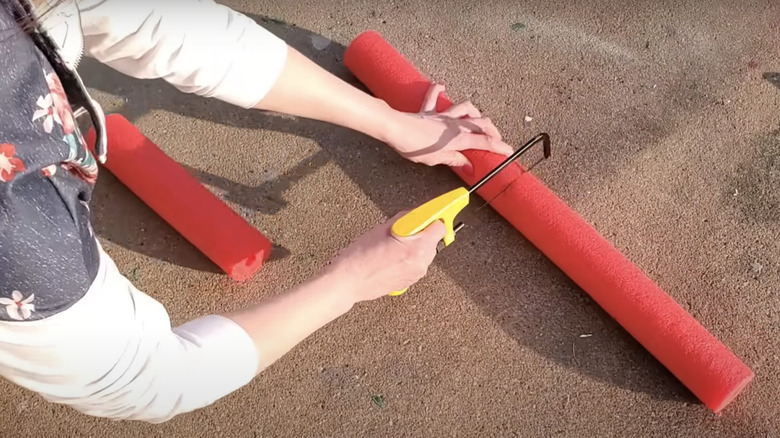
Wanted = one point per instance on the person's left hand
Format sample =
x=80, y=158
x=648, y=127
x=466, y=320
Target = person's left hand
x=433, y=138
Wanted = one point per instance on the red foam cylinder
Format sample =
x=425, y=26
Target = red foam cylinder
x=702, y=363
x=181, y=200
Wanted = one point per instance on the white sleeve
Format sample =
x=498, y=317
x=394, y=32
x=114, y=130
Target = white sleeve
x=198, y=46
x=114, y=354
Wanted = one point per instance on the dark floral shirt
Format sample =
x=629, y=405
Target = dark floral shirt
x=48, y=251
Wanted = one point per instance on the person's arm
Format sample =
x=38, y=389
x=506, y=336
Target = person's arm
x=114, y=353
x=198, y=46
x=208, y=49
x=373, y=266
x=111, y=351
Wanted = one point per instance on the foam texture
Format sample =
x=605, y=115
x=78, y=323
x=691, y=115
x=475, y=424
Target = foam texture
x=702, y=363
x=182, y=201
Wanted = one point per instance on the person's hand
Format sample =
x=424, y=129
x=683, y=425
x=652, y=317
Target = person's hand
x=379, y=262
x=433, y=138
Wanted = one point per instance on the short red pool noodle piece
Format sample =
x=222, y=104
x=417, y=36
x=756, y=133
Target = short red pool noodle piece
x=182, y=201
x=702, y=363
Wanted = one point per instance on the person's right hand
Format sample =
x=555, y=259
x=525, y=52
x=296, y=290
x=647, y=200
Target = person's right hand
x=379, y=262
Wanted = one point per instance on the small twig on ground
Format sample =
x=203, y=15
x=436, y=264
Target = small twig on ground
x=573, y=353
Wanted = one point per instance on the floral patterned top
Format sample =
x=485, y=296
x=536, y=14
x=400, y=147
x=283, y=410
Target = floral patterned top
x=72, y=328
x=46, y=180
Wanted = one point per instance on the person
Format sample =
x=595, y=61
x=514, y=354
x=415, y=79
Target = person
x=75, y=330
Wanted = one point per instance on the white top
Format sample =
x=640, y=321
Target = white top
x=198, y=46
x=114, y=353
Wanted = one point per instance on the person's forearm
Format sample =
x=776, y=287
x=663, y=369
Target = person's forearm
x=307, y=90
x=277, y=325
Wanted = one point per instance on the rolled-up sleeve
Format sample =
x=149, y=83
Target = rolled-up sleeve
x=198, y=46
x=114, y=354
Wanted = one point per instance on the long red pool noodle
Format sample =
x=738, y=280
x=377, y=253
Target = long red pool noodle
x=702, y=363
x=182, y=201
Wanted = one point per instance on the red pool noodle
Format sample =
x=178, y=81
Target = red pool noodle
x=190, y=208
x=702, y=363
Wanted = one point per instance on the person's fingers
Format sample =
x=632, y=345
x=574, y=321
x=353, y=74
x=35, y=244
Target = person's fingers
x=431, y=97
x=484, y=125
x=424, y=234
x=463, y=109
x=433, y=233
x=389, y=223
x=481, y=142
x=455, y=159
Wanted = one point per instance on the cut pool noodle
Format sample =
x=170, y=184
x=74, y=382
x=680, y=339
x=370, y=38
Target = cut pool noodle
x=182, y=201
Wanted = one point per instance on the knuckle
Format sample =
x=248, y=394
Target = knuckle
x=419, y=254
x=409, y=254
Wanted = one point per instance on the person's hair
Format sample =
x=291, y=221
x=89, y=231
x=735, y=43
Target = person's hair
x=28, y=18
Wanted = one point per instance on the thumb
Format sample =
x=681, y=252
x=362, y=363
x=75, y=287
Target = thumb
x=433, y=233
x=456, y=159
x=483, y=142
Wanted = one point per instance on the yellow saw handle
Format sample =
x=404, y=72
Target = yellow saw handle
x=443, y=208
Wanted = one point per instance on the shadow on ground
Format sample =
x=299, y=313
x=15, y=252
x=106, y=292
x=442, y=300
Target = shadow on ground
x=532, y=300
x=773, y=78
